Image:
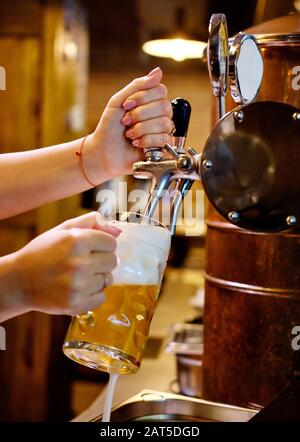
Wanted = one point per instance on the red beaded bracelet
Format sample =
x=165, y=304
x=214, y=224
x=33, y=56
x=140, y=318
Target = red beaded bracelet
x=80, y=155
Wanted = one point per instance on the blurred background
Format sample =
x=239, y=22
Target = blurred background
x=63, y=61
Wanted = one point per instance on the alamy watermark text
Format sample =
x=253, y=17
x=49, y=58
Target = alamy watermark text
x=2, y=338
x=296, y=339
x=296, y=78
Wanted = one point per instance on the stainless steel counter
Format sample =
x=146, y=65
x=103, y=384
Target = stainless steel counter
x=165, y=407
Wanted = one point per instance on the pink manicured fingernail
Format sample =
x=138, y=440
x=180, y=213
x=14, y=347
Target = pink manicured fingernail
x=129, y=133
x=115, y=231
x=128, y=105
x=127, y=120
x=136, y=143
x=153, y=72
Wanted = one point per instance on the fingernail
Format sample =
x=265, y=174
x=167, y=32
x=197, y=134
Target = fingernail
x=136, y=143
x=115, y=230
x=127, y=120
x=129, y=133
x=112, y=230
x=153, y=72
x=128, y=105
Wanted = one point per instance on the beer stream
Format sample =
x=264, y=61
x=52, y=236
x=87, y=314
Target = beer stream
x=113, y=377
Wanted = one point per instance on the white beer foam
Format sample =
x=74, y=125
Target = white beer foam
x=142, y=252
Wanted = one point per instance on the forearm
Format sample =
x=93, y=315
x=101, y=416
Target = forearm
x=32, y=178
x=11, y=295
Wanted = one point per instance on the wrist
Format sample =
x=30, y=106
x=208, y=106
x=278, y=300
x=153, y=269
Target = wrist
x=93, y=165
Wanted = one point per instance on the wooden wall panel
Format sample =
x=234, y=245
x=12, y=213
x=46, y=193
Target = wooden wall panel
x=42, y=87
x=20, y=102
x=19, y=17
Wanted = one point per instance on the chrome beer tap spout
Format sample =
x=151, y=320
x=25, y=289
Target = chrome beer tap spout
x=165, y=165
x=162, y=173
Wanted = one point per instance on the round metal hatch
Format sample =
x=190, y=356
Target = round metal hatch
x=253, y=178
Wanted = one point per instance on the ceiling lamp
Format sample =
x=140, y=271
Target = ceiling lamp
x=179, y=46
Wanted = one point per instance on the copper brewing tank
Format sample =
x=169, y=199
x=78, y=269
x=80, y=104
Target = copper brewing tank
x=252, y=294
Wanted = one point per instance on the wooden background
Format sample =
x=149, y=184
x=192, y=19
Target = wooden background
x=41, y=90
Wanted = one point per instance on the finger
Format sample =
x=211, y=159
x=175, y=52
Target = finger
x=95, y=263
x=95, y=296
x=109, y=228
x=86, y=221
x=91, y=240
x=153, y=126
x=107, y=279
x=105, y=226
x=138, y=84
x=91, y=303
x=98, y=283
x=91, y=220
x=152, y=140
x=101, y=262
x=139, y=98
x=155, y=109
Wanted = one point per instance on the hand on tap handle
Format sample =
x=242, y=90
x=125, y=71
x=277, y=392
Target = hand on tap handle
x=142, y=107
x=148, y=113
x=181, y=109
x=178, y=167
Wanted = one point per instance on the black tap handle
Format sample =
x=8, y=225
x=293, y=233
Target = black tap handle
x=181, y=116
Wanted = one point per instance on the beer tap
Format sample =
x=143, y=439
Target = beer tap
x=181, y=166
x=246, y=196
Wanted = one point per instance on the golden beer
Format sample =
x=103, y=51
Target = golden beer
x=115, y=333
x=112, y=338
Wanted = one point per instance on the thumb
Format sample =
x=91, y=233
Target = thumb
x=92, y=220
x=138, y=84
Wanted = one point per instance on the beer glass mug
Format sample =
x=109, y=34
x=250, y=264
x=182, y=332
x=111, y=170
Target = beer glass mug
x=112, y=338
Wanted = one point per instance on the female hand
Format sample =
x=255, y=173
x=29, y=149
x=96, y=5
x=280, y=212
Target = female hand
x=62, y=271
x=138, y=116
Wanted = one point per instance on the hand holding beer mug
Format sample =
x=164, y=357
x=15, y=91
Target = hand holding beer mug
x=112, y=338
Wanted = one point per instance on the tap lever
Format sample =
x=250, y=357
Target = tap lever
x=170, y=149
x=183, y=187
x=181, y=118
x=180, y=167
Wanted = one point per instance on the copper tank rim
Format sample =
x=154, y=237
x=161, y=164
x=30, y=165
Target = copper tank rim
x=252, y=289
x=266, y=33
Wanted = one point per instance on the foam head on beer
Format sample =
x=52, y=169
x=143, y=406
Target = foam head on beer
x=142, y=252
